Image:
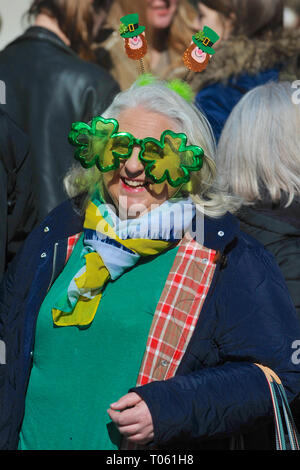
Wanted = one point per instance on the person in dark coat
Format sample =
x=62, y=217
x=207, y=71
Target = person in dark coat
x=253, y=49
x=50, y=84
x=259, y=163
x=277, y=227
x=146, y=319
x=17, y=205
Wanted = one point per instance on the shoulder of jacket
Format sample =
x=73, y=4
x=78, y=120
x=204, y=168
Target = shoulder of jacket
x=250, y=263
x=86, y=75
x=68, y=211
x=51, y=229
x=250, y=246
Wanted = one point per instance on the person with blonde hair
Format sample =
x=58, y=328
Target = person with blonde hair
x=168, y=32
x=145, y=318
x=258, y=161
x=254, y=48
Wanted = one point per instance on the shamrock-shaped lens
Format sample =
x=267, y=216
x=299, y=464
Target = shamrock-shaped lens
x=170, y=158
x=92, y=143
x=121, y=145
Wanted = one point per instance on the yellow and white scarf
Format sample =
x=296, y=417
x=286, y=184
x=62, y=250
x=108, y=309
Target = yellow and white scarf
x=111, y=247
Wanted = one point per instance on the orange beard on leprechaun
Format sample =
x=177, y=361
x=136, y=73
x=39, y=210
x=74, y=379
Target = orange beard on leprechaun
x=136, y=48
x=195, y=59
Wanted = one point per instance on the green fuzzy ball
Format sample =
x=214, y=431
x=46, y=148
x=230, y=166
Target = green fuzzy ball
x=146, y=79
x=181, y=88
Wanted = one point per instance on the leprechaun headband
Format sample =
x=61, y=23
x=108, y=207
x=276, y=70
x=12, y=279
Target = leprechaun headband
x=196, y=57
x=168, y=159
x=198, y=54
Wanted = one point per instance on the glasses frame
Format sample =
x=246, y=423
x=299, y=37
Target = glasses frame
x=81, y=128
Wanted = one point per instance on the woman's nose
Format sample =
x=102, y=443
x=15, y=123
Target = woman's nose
x=133, y=165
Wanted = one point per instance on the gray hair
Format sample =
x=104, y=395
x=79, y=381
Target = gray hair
x=259, y=148
x=157, y=97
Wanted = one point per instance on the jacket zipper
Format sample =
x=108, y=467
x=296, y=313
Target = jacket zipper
x=53, y=265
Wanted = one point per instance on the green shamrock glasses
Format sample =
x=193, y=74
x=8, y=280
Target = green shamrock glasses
x=168, y=159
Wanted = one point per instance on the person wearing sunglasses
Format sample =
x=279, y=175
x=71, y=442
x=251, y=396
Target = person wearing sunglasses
x=137, y=314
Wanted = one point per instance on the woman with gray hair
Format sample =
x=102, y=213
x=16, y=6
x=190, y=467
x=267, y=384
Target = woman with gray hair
x=130, y=319
x=258, y=161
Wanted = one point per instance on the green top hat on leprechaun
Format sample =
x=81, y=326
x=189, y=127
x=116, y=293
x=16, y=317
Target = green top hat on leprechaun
x=206, y=39
x=130, y=27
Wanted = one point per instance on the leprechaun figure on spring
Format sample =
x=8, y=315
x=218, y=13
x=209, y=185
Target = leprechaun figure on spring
x=133, y=33
x=198, y=54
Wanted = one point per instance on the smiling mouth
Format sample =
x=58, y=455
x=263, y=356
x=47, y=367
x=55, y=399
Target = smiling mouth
x=134, y=184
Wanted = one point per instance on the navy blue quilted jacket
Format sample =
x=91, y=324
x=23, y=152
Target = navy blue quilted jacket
x=248, y=317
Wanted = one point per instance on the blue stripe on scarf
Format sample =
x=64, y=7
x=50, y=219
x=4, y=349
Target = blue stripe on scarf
x=90, y=234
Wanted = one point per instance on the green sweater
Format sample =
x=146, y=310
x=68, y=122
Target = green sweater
x=77, y=373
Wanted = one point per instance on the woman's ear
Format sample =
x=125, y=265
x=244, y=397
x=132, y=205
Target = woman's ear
x=229, y=23
x=233, y=19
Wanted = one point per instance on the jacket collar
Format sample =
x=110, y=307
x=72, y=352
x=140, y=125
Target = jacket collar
x=43, y=34
x=72, y=221
x=218, y=233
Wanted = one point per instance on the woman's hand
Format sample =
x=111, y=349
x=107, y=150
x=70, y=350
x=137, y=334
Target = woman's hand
x=132, y=417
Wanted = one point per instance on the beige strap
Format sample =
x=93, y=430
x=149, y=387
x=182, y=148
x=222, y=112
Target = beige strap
x=269, y=373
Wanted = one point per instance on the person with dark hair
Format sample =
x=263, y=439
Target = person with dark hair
x=253, y=49
x=17, y=205
x=49, y=84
